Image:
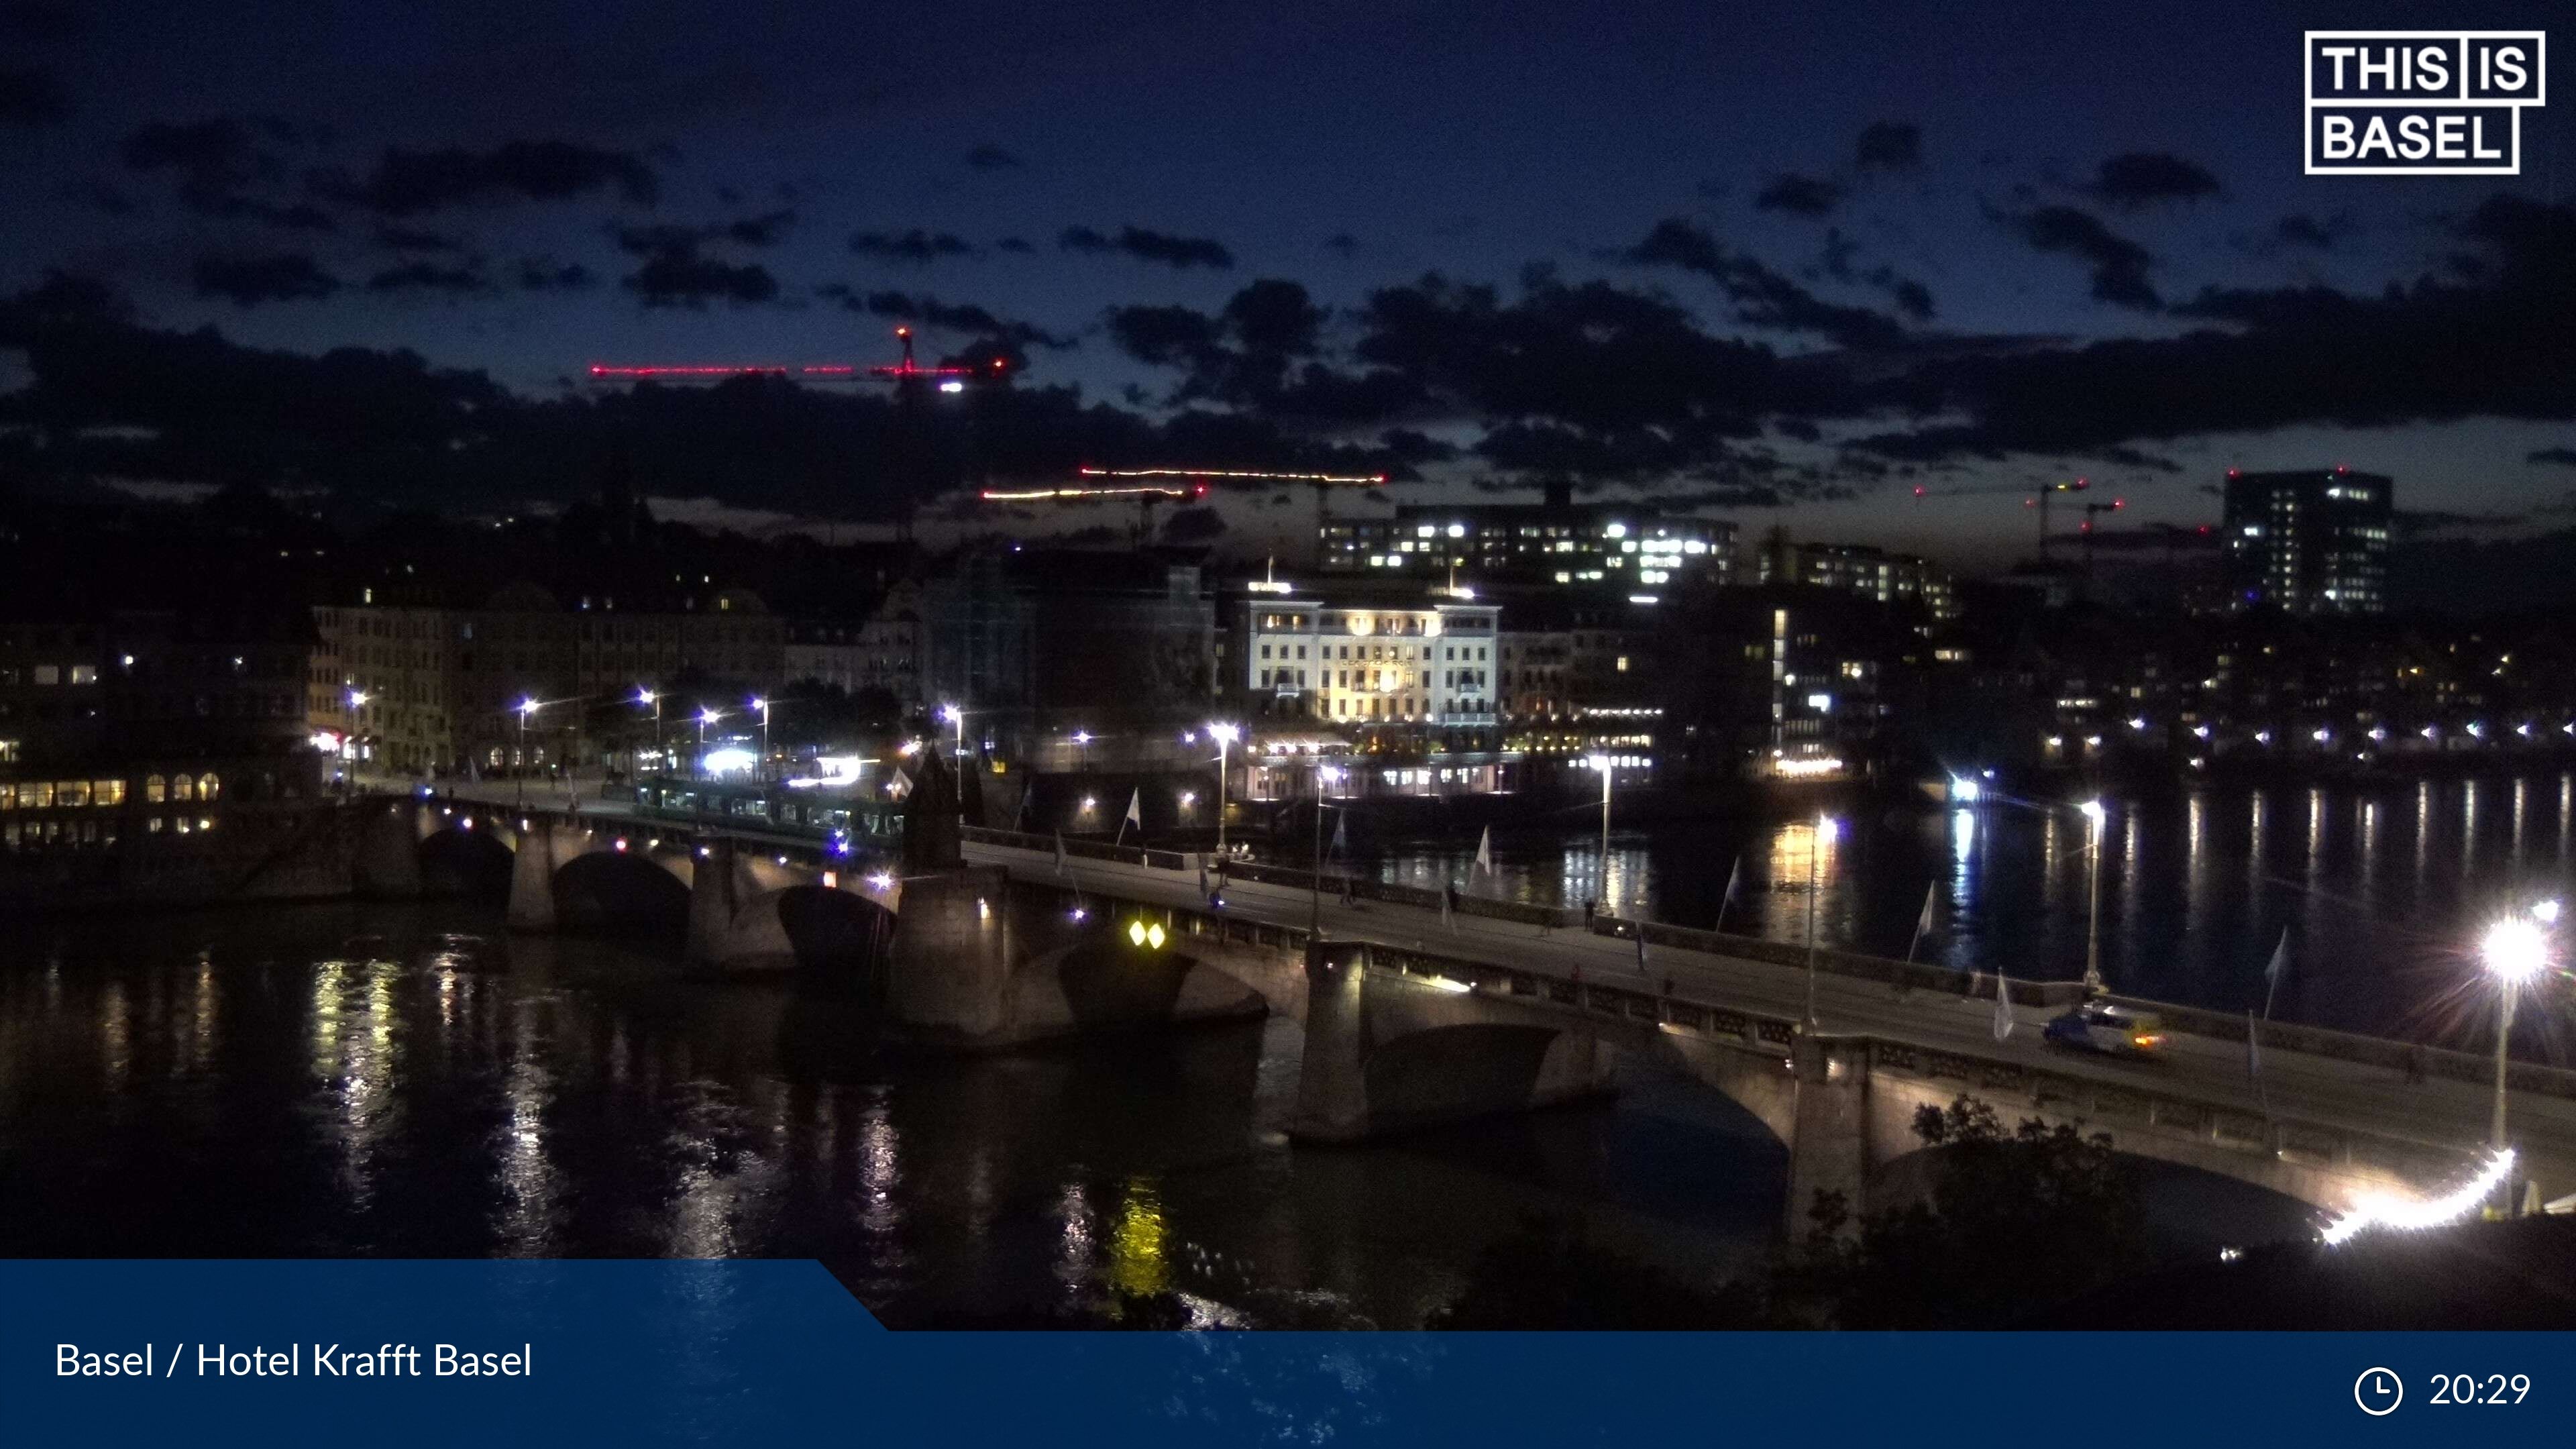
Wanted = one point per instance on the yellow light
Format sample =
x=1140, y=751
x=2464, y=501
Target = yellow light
x=1154, y=936
x=1136, y=932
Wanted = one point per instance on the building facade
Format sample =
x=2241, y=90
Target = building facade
x=2309, y=542
x=1556, y=541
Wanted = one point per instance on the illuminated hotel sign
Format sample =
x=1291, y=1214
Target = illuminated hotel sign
x=2421, y=102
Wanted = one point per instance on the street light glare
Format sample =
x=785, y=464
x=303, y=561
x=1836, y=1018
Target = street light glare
x=1828, y=829
x=1225, y=733
x=2515, y=950
x=2092, y=811
x=2546, y=913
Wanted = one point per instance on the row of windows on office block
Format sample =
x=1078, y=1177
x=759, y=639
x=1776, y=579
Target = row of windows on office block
x=105, y=794
x=91, y=832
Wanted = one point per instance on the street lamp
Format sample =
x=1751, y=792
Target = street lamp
x=2093, y=814
x=646, y=696
x=1315, y=878
x=1827, y=829
x=1081, y=750
x=349, y=747
x=2516, y=951
x=519, y=776
x=1225, y=736
x=955, y=716
x=706, y=717
x=763, y=706
x=1602, y=891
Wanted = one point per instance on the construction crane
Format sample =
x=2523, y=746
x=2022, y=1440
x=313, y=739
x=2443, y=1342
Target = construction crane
x=911, y=381
x=2038, y=498
x=905, y=374
x=1322, y=483
x=1145, y=496
x=2091, y=512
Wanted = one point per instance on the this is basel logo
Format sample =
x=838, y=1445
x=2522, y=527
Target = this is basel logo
x=2421, y=102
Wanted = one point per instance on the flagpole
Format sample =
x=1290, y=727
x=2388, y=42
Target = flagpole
x=1728, y=898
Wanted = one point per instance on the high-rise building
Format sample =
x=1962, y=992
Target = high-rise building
x=2308, y=542
x=1558, y=541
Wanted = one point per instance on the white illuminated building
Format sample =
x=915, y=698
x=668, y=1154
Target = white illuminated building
x=1353, y=664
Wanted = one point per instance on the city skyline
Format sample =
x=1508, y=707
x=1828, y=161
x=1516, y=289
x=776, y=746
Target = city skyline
x=1754, y=295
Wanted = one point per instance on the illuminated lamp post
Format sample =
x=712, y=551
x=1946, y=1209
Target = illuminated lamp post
x=2515, y=951
x=1602, y=763
x=349, y=747
x=1225, y=736
x=1827, y=829
x=706, y=717
x=2093, y=814
x=763, y=706
x=646, y=696
x=519, y=776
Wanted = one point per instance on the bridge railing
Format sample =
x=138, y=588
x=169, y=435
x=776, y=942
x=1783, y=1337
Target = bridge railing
x=1904, y=975
x=2362, y=1050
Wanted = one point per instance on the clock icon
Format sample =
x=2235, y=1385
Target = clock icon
x=2378, y=1392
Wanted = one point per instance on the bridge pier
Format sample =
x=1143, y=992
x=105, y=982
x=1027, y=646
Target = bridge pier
x=714, y=895
x=386, y=865
x=532, y=879
x=1388, y=1052
x=1829, y=1135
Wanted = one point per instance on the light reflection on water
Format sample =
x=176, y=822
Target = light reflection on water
x=411, y=1081
x=2197, y=887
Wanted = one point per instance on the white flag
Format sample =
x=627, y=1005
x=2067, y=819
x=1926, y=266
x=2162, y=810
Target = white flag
x=1135, y=809
x=2273, y=973
x=900, y=785
x=1734, y=878
x=2003, y=1007
x=1341, y=839
x=1447, y=916
x=1923, y=927
x=1485, y=851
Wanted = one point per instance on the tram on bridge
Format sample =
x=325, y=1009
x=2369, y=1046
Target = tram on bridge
x=846, y=819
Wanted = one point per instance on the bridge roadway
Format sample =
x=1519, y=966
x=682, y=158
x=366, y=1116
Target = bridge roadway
x=2442, y=1115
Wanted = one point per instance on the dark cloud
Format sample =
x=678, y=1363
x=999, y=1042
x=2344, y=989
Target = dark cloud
x=543, y=274
x=961, y=317
x=682, y=277
x=100, y=196
x=1799, y=195
x=915, y=245
x=423, y=276
x=1342, y=244
x=1895, y=145
x=1153, y=246
x=2302, y=230
x=1260, y=353
x=2433, y=351
x=2138, y=178
x=32, y=96
x=407, y=239
x=1912, y=298
x=989, y=157
x=761, y=231
x=410, y=183
x=221, y=164
x=1763, y=298
x=1193, y=525
x=1013, y=244
x=2119, y=264
x=250, y=280
x=2563, y=457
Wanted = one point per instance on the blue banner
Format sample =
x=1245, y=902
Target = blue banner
x=598, y=1352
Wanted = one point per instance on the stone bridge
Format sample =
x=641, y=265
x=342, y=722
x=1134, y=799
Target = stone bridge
x=1027, y=947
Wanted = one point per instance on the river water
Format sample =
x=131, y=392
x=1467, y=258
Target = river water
x=2382, y=892
x=412, y=1081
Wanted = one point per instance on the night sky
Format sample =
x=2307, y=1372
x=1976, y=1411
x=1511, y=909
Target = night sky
x=1780, y=263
